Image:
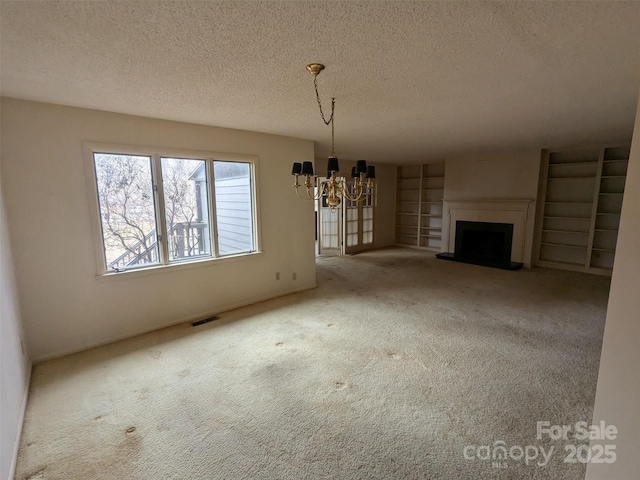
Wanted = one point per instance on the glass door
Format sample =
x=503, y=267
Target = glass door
x=358, y=223
x=329, y=228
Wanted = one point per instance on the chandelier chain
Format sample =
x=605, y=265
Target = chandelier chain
x=334, y=189
x=331, y=118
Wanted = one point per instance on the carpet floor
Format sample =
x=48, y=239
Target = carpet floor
x=398, y=366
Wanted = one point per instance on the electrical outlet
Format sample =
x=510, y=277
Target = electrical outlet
x=295, y=275
x=277, y=275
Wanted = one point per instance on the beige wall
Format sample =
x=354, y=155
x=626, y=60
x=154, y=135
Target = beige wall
x=386, y=210
x=618, y=391
x=14, y=362
x=496, y=176
x=64, y=306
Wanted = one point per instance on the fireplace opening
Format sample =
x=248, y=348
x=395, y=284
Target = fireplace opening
x=483, y=243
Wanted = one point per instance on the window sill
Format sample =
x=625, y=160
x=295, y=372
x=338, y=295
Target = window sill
x=174, y=267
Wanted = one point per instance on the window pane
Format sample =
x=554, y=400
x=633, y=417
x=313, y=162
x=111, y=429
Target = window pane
x=367, y=224
x=330, y=228
x=352, y=223
x=127, y=211
x=184, y=183
x=234, y=222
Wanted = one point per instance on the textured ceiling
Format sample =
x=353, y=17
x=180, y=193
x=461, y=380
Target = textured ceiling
x=413, y=81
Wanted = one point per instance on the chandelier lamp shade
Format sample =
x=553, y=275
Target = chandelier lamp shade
x=333, y=188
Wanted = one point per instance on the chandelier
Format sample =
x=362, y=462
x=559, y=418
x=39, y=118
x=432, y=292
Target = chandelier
x=332, y=187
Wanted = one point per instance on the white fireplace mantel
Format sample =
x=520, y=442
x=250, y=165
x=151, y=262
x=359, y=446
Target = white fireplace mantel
x=517, y=211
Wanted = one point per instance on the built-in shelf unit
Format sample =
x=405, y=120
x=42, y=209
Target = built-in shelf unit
x=420, y=189
x=577, y=225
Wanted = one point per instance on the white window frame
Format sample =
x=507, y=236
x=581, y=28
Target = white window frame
x=156, y=153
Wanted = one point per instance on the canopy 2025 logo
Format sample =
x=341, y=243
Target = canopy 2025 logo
x=582, y=453
x=499, y=453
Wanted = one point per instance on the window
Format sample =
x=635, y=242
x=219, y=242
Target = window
x=186, y=206
x=233, y=207
x=160, y=210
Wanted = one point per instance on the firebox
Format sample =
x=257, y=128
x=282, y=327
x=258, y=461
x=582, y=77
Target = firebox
x=483, y=243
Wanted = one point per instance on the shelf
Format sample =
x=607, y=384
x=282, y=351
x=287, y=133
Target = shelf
x=566, y=231
x=567, y=218
x=617, y=152
x=607, y=271
x=568, y=203
x=573, y=264
x=586, y=184
x=561, y=245
x=585, y=162
x=423, y=189
x=572, y=177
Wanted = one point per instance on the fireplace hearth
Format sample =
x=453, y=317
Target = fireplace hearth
x=483, y=243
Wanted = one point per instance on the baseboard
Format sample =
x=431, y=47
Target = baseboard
x=16, y=445
x=172, y=323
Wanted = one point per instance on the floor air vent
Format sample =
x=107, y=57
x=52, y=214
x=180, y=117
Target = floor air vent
x=206, y=320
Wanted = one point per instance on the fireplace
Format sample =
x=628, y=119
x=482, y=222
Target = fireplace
x=518, y=212
x=483, y=243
